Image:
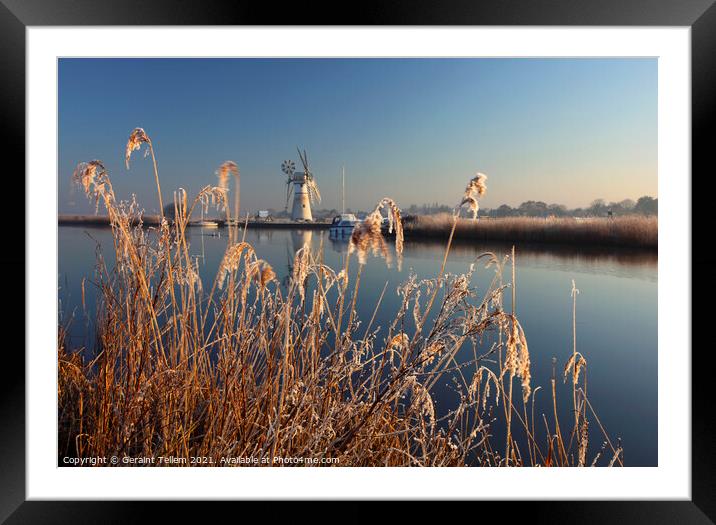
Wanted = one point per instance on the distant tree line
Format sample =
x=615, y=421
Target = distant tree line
x=598, y=208
x=427, y=209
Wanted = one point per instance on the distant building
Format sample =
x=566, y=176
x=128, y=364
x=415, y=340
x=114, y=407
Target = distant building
x=264, y=215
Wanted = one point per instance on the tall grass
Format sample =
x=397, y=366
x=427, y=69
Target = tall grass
x=247, y=367
x=628, y=231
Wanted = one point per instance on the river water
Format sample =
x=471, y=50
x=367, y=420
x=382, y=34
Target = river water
x=616, y=311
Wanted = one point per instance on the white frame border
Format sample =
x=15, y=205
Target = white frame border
x=670, y=480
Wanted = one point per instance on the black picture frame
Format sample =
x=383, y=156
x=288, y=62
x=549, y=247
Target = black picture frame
x=699, y=15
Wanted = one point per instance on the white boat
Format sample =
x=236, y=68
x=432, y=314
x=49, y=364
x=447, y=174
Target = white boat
x=342, y=225
x=204, y=223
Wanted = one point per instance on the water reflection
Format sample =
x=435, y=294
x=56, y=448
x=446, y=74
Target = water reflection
x=616, y=310
x=301, y=238
x=621, y=262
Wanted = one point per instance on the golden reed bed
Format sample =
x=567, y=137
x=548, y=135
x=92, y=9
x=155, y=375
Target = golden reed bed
x=245, y=367
x=627, y=231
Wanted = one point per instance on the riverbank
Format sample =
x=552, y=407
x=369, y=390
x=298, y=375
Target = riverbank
x=629, y=231
x=153, y=220
x=101, y=220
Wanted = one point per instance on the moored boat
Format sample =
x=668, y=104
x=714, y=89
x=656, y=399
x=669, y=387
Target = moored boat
x=342, y=225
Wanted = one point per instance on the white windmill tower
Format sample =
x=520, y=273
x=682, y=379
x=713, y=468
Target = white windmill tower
x=305, y=190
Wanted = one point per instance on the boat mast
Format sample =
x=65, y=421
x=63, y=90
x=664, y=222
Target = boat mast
x=343, y=190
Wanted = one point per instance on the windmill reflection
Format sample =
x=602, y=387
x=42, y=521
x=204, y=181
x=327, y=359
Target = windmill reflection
x=299, y=239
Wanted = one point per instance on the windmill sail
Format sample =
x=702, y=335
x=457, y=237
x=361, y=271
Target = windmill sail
x=313, y=192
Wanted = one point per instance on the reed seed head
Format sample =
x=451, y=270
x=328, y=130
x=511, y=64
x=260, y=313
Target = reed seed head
x=475, y=189
x=432, y=351
x=94, y=180
x=574, y=366
x=477, y=185
x=583, y=442
x=136, y=139
x=368, y=237
x=232, y=260
x=301, y=267
x=262, y=273
x=399, y=341
x=86, y=174
x=214, y=196
x=227, y=168
x=517, y=356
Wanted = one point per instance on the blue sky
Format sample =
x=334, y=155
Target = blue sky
x=558, y=130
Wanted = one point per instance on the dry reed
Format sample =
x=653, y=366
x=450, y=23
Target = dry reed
x=227, y=168
x=367, y=235
x=257, y=369
x=475, y=189
x=629, y=231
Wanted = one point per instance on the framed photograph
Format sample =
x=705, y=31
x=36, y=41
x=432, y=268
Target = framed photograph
x=414, y=258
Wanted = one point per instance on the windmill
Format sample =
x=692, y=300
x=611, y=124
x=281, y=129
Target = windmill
x=305, y=190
